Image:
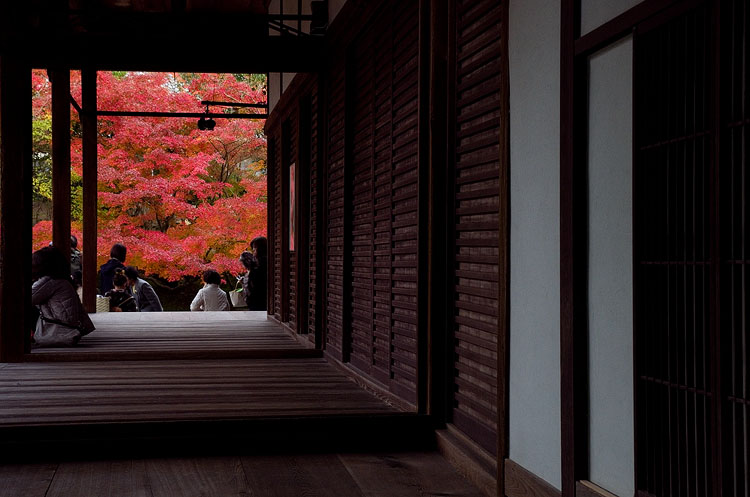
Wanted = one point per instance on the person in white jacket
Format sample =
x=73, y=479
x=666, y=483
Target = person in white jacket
x=210, y=297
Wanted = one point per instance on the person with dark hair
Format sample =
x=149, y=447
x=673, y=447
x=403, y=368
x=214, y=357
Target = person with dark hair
x=116, y=261
x=255, y=280
x=144, y=293
x=119, y=298
x=75, y=255
x=210, y=297
x=62, y=319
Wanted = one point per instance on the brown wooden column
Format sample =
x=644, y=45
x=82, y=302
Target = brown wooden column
x=60, y=79
x=88, y=123
x=15, y=208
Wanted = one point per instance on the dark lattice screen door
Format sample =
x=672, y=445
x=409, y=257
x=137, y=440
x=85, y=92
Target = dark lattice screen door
x=692, y=249
x=673, y=270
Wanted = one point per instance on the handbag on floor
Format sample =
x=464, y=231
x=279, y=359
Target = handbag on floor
x=237, y=296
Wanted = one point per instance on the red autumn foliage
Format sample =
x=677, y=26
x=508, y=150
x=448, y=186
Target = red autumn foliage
x=180, y=199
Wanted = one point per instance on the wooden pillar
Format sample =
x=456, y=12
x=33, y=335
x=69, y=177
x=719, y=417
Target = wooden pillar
x=424, y=270
x=88, y=123
x=437, y=318
x=60, y=79
x=15, y=208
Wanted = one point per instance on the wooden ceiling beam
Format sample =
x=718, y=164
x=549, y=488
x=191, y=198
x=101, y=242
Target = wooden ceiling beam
x=230, y=54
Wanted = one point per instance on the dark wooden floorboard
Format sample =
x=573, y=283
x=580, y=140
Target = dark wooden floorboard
x=111, y=478
x=26, y=480
x=90, y=392
x=151, y=335
x=197, y=477
x=414, y=474
x=312, y=475
x=407, y=474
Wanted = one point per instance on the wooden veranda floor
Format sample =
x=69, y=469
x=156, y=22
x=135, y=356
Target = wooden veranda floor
x=180, y=335
x=408, y=474
x=181, y=383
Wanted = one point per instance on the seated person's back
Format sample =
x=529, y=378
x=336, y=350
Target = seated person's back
x=211, y=297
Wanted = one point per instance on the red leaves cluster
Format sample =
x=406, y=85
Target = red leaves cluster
x=180, y=199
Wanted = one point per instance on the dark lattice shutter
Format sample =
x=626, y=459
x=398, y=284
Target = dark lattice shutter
x=382, y=192
x=275, y=138
x=271, y=206
x=672, y=249
x=477, y=53
x=313, y=237
x=404, y=201
x=335, y=225
x=361, y=284
x=291, y=143
x=735, y=228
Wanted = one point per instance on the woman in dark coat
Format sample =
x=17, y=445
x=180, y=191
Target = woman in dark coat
x=62, y=319
x=255, y=280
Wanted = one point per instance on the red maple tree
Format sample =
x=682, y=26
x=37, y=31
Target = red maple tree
x=181, y=199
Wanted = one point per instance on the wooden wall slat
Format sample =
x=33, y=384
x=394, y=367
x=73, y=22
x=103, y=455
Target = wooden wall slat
x=476, y=135
x=334, y=293
x=362, y=202
x=313, y=237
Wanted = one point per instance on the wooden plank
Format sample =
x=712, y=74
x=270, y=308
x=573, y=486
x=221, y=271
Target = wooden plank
x=406, y=474
x=100, y=478
x=196, y=477
x=311, y=475
x=26, y=480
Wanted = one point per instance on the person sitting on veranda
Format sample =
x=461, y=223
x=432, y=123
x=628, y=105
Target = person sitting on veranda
x=62, y=320
x=116, y=261
x=254, y=281
x=210, y=297
x=145, y=296
x=120, y=299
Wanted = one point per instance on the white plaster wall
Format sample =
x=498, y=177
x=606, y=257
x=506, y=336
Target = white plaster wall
x=594, y=13
x=610, y=289
x=534, y=44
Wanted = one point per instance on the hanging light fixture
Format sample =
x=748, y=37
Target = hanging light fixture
x=206, y=124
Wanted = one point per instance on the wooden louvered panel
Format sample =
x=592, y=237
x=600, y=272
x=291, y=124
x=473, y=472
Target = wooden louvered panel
x=404, y=175
x=673, y=270
x=277, y=228
x=361, y=299
x=313, y=237
x=477, y=203
x=381, y=198
x=291, y=143
x=292, y=282
x=335, y=217
x=271, y=206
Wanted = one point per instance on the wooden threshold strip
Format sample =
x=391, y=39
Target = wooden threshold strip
x=520, y=482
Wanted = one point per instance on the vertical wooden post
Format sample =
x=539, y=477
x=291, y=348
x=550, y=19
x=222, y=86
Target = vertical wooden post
x=573, y=253
x=425, y=173
x=60, y=78
x=90, y=194
x=503, y=263
x=15, y=208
